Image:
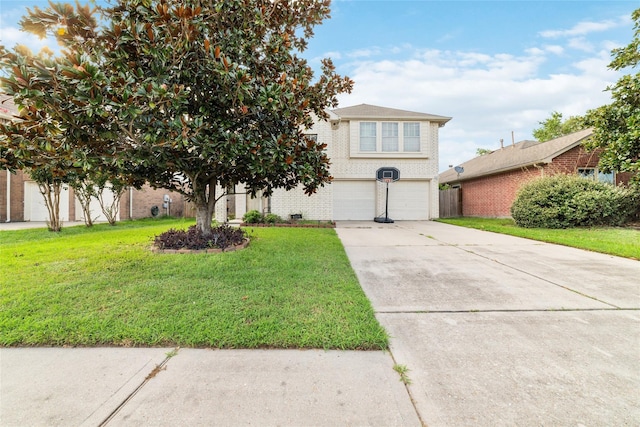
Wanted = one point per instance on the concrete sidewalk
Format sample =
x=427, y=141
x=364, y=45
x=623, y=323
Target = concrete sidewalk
x=498, y=330
x=197, y=387
x=495, y=330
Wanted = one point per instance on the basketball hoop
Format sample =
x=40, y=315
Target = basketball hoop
x=386, y=175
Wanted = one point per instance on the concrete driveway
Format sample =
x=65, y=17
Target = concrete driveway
x=498, y=330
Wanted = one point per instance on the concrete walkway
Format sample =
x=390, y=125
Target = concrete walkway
x=495, y=330
x=498, y=330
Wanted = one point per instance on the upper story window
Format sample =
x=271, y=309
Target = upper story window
x=389, y=137
x=368, y=136
x=411, y=136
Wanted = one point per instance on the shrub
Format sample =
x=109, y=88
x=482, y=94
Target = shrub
x=221, y=237
x=563, y=201
x=272, y=219
x=253, y=217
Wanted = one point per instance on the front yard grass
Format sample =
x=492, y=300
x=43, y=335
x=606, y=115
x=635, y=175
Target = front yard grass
x=620, y=241
x=290, y=288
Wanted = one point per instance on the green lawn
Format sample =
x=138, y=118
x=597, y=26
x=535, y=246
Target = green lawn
x=624, y=242
x=291, y=288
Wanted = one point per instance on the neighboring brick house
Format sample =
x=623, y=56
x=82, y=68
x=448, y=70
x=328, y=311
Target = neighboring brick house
x=489, y=183
x=360, y=140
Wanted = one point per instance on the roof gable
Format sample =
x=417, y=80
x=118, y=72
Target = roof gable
x=366, y=111
x=522, y=154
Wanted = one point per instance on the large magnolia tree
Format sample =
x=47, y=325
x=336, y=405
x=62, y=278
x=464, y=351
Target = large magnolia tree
x=192, y=96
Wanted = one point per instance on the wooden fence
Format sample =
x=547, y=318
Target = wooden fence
x=450, y=203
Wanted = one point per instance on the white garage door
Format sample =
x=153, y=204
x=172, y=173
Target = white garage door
x=354, y=200
x=35, y=208
x=409, y=200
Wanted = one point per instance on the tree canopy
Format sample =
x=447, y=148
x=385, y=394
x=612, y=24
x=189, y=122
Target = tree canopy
x=617, y=125
x=192, y=96
x=555, y=127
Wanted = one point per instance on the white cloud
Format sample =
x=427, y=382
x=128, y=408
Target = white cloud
x=12, y=36
x=584, y=28
x=580, y=43
x=488, y=96
x=332, y=55
x=364, y=53
x=555, y=49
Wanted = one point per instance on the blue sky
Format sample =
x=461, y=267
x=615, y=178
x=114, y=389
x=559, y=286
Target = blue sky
x=495, y=67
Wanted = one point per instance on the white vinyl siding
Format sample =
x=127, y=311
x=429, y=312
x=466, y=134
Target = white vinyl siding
x=389, y=136
x=368, y=136
x=411, y=137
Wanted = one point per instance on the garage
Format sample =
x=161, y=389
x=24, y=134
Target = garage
x=354, y=200
x=409, y=200
x=35, y=208
x=95, y=208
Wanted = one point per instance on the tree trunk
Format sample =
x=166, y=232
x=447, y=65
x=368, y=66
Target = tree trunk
x=51, y=194
x=205, y=201
x=84, y=192
x=111, y=208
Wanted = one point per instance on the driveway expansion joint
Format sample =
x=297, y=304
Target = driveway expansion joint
x=530, y=274
x=154, y=372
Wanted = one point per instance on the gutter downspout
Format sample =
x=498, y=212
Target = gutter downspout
x=8, y=196
x=540, y=168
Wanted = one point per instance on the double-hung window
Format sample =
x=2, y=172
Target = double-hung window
x=411, y=140
x=368, y=136
x=389, y=136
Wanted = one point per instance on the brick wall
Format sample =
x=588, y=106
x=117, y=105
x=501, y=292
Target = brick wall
x=16, y=195
x=492, y=196
x=147, y=197
x=570, y=161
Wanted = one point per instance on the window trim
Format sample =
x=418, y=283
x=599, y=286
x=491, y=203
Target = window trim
x=596, y=174
x=401, y=129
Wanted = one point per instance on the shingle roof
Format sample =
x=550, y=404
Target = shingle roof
x=366, y=111
x=524, y=153
x=7, y=108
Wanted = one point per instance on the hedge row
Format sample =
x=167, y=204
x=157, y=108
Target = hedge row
x=563, y=201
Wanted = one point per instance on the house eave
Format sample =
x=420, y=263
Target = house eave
x=496, y=171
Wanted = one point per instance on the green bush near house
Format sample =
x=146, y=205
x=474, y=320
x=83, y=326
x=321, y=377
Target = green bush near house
x=272, y=219
x=564, y=201
x=253, y=217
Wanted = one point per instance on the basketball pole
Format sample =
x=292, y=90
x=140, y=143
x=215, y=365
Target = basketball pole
x=386, y=204
x=386, y=219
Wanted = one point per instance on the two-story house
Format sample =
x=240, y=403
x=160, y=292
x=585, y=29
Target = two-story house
x=360, y=140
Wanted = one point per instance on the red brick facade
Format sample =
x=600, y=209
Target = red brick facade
x=143, y=201
x=15, y=193
x=492, y=195
x=146, y=198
